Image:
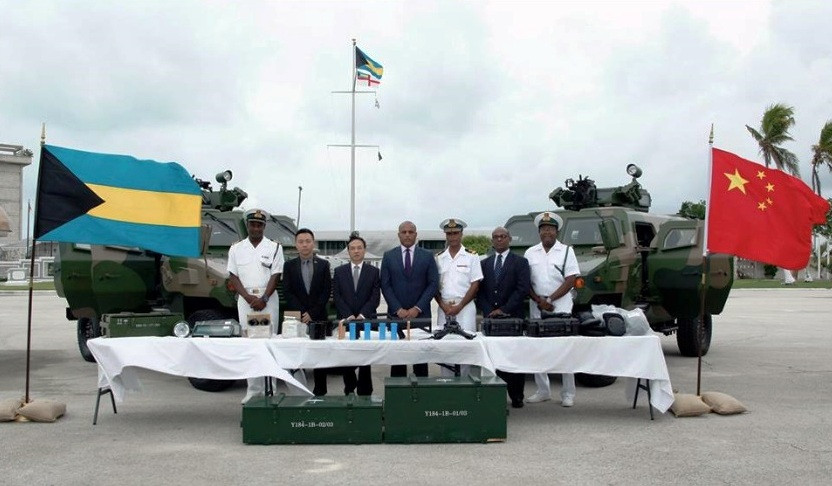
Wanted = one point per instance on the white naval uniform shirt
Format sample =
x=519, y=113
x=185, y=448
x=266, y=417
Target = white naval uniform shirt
x=254, y=266
x=455, y=278
x=546, y=274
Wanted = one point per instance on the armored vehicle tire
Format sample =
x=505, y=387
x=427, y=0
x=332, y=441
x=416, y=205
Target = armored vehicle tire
x=686, y=335
x=594, y=381
x=88, y=328
x=202, y=383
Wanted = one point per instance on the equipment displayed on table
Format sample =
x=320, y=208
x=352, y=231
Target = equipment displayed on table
x=182, y=329
x=610, y=324
x=423, y=323
x=259, y=326
x=553, y=325
x=436, y=409
x=330, y=419
x=319, y=330
x=397, y=328
x=292, y=328
x=452, y=327
x=217, y=328
x=503, y=326
x=353, y=330
x=131, y=324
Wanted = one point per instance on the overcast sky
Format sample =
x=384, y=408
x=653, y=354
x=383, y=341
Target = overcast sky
x=485, y=107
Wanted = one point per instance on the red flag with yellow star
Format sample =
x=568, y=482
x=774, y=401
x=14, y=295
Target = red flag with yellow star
x=761, y=214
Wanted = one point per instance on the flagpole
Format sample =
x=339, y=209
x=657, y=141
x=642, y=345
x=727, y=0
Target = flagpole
x=352, y=146
x=32, y=274
x=708, y=190
x=297, y=221
x=705, y=266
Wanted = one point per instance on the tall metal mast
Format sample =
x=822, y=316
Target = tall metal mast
x=352, y=144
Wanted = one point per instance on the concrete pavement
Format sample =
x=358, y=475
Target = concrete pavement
x=771, y=350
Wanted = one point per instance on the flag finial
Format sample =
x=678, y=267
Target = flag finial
x=711, y=136
x=43, y=134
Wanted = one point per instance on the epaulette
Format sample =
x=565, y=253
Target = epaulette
x=471, y=251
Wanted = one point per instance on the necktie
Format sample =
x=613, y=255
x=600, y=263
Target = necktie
x=498, y=267
x=356, y=272
x=306, y=273
x=408, y=266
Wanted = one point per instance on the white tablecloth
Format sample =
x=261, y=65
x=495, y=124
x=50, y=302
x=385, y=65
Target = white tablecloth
x=628, y=356
x=218, y=359
x=305, y=353
x=229, y=359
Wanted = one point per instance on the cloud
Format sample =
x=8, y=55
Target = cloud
x=484, y=107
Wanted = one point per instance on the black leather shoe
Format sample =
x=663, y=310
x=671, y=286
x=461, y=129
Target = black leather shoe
x=517, y=403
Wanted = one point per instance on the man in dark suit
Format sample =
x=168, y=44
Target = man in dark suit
x=307, y=285
x=504, y=286
x=356, y=293
x=409, y=280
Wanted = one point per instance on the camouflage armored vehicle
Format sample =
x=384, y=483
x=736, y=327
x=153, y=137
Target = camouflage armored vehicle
x=105, y=280
x=631, y=258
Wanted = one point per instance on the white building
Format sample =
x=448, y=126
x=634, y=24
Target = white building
x=13, y=158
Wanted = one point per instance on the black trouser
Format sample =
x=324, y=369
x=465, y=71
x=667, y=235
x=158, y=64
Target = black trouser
x=401, y=370
x=515, y=383
x=364, y=383
x=319, y=375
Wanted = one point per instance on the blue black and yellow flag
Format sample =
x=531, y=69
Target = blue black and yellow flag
x=104, y=199
x=367, y=70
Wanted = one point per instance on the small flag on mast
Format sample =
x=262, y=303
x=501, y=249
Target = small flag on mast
x=366, y=70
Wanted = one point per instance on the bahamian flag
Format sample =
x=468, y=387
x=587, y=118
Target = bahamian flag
x=367, y=70
x=104, y=199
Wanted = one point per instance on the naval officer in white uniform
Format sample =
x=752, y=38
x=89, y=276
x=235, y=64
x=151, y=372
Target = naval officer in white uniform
x=459, y=280
x=254, y=267
x=554, y=269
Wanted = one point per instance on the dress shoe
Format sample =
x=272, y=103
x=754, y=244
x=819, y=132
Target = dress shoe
x=517, y=403
x=537, y=397
x=567, y=402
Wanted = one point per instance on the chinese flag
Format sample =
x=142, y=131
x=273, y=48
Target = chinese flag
x=761, y=214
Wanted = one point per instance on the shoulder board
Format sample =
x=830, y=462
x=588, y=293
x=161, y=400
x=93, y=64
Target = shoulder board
x=471, y=251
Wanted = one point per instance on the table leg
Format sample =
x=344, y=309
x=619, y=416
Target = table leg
x=103, y=391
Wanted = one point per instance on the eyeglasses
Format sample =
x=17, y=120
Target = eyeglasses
x=499, y=237
x=259, y=322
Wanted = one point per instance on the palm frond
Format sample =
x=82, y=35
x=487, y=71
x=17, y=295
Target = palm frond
x=825, y=140
x=777, y=120
x=754, y=133
x=785, y=161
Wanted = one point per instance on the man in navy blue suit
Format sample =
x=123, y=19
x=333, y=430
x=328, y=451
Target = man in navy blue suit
x=409, y=280
x=504, y=287
x=355, y=290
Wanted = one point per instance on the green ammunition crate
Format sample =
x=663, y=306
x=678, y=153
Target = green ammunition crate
x=130, y=324
x=464, y=409
x=285, y=419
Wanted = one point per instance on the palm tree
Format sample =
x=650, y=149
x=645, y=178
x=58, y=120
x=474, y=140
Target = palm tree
x=774, y=131
x=822, y=154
